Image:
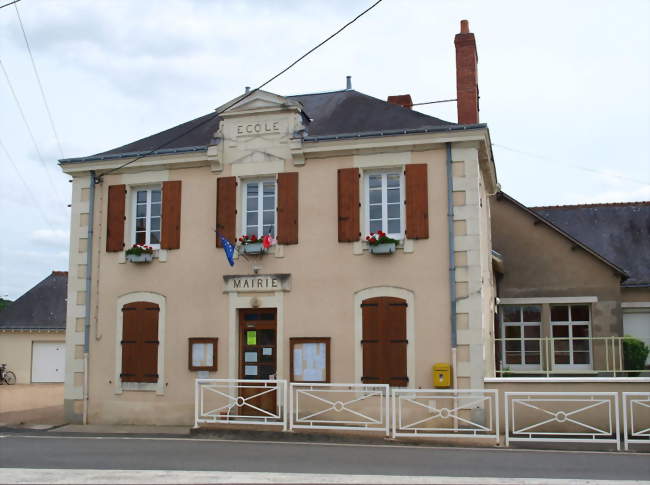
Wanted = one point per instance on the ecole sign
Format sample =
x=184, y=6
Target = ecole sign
x=257, y=283
x=258, y=128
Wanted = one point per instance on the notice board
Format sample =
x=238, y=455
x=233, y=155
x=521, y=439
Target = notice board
x=310, y=359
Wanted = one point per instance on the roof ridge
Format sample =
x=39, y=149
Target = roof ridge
x=595, y=204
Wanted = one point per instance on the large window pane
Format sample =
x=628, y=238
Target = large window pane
x=142, y=196
x=560, y=313
x=269, y=203
x=375, y=212
x=251, y=203
x=155, y=196
x=155, y=237
x=393, y=196
x=511, y=313
x=579, y=313
x=394, y=226
x=392, y=180
x=532, y=313
x=393, y=211
x=251, y=189
x=141, y=210
x=374, y=181
x=375, y=196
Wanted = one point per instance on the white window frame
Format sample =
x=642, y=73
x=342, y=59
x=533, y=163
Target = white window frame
x=521, y=324
x=134, y=204
x=260, y=202
x=570, y=323
x=384, y=200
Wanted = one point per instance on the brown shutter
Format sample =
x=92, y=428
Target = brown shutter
x=171, y=215
x=287, y=230
x=371, y=342
x=115, y=218
x=384, y=341
x=395, y=343
x=348, y=193
x=226, y=208
x=417, y=202
x=140, y=342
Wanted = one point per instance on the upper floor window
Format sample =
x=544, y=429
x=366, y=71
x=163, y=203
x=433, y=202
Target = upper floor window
x=384, y=203
x=259, y=207
x=147, y=214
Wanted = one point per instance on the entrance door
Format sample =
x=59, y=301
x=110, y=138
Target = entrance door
x=258, y=358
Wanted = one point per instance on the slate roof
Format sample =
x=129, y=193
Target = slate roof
x=336, y=114
x=619, y=231
x=43, y=307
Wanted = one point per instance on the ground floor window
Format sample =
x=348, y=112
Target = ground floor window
x=521, y=330
x=140, y=342
x=571, y=331
x=384, y=341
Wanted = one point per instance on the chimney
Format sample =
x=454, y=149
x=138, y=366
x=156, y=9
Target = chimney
x=466, y=76
x=403, y=100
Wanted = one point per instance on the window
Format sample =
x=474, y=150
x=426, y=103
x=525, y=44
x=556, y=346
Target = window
x=140, y=342
x=310, y=359
x=384, y=203
x=571, y=335
x=147, y=216
x=203, y=354
x=259, y=207
x=521, y=332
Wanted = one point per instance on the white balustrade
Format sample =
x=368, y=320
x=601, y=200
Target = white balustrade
x=460, y=413
x=579, y=417
x=636, y=418
x=240, y=401
x=363, y=407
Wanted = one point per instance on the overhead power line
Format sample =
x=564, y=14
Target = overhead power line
x=242, y=98
x=40, y=84
x=27, y=187
x=10, y=3
x=435, y=102
x=29, y=129
x=578, y=167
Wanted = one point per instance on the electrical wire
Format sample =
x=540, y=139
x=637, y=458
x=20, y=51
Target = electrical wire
x=40, y=84
x=246, y=95
x=27, y=187
x=29, y=129
x=435, y=102
x=10, y=3
x=578, y=167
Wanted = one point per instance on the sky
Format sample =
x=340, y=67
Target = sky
x=564, y=89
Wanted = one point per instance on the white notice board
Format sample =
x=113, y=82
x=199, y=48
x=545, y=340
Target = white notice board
x=310, y=360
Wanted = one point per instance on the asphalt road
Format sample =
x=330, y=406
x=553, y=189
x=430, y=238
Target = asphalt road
x=118, y=453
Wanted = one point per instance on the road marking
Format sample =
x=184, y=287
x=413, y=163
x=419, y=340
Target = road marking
x=312, y=443
x=42, y=476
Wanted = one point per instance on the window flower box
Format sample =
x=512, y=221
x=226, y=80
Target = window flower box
x=380, y=243
x=139, y=253
x=254, y=245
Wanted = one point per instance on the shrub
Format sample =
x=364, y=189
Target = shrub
x=635, y=353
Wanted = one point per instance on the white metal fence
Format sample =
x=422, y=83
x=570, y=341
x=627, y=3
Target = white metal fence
x=636, y=418
x=453, y=413
x=240, y=401
x=362, y=407
x=578, y=417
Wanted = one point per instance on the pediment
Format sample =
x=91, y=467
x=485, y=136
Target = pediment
x=258, y=102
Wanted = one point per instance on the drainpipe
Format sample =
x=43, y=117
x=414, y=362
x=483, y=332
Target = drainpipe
x=89, y=260
x=452, y=263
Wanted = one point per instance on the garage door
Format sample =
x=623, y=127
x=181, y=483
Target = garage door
x=48, y=361
x=637, y=324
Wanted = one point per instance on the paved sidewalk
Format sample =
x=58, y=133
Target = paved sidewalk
x=29, y=405
x=103, y=429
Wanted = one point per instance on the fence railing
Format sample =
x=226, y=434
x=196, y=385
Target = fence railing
x=578, y=417
x=362, y=407
x=564, y=355
x=445, y=413
x=240, y=401
x=636, y=418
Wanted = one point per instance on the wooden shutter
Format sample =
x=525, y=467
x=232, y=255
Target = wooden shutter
x=417, y=201
x=115, y=218
x=348, y=213
x=371, y=344
x=384, y=341
x=171, y=215
x=226, y=208
x=287, y=208
x=140, y=342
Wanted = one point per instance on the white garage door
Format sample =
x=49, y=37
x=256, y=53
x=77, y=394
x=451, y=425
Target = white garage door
x=48, y=361
x=637, y=324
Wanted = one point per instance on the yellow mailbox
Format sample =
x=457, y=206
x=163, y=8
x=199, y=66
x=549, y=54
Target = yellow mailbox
x=441, y=375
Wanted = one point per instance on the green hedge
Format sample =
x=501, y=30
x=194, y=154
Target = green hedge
x=635, y=353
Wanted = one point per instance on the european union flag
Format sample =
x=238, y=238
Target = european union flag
x=228, y=248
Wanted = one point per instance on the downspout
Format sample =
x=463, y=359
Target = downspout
x=452, y=263
x=89, y=260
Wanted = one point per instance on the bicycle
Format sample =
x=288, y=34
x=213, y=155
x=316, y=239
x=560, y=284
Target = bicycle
x=6, y=376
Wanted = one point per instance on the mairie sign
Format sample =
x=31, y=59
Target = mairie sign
x=257, y=283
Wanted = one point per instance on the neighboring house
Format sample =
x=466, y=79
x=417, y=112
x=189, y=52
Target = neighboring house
x=319, y=172
x=32, y=332
x=572, y=280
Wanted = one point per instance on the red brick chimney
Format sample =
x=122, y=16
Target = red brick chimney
x=401, y=100
x=466, y=75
